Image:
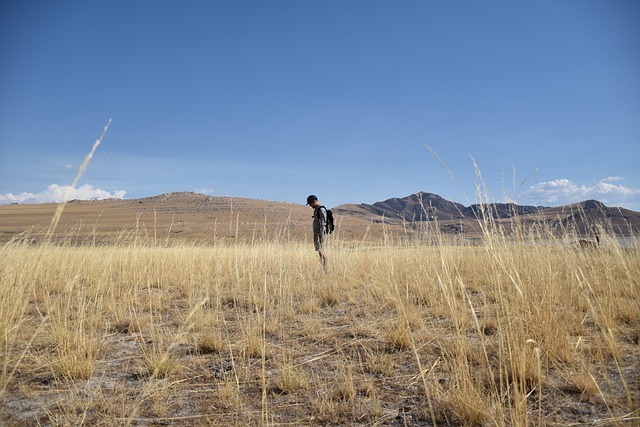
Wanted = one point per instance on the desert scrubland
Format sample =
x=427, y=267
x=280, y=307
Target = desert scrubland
x=532, y=330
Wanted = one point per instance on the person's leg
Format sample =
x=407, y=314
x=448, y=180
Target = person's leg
x=319, y=244
x=323, y=259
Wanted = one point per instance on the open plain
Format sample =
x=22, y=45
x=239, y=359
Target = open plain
x=217, y=312
x=182, y=216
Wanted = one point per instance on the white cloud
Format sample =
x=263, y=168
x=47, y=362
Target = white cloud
x=206, y=191
x=612, y=179
x=563, y=191
x=57, y=193
x=59, y=168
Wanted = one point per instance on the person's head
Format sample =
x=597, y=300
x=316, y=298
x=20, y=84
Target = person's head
x=312, y=201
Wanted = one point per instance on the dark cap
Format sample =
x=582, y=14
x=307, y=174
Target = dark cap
x=311, y=199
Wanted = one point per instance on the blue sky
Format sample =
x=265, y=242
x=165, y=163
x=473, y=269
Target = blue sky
x=278, y=99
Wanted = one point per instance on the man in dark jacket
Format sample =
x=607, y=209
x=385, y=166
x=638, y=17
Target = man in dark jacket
x=319, y=226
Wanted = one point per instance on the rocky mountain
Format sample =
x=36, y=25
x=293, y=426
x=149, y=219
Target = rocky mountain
x=499, y=210
x=428, y=206
x=419, y=207
x=582, y=218
x=587, y=216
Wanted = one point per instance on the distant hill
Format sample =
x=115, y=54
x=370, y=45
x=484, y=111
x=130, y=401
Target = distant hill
x=582, y=218
x=500, y=210
x=197, y=217
x=586, y=215
x=179, y=215
x=428, y=206
x=419, y=207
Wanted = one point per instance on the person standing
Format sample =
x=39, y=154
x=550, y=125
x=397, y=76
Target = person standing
x=319, y=227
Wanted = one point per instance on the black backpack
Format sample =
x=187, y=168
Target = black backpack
x=330, y=224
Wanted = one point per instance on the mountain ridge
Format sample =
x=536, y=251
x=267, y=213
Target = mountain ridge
x=202, y=217
x=423, y=207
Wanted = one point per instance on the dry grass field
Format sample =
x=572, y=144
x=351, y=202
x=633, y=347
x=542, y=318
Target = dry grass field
x=144, y=328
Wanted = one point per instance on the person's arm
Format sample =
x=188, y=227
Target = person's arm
x=322, y=220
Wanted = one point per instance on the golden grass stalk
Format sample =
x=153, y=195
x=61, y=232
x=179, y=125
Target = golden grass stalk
x=68, y=192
